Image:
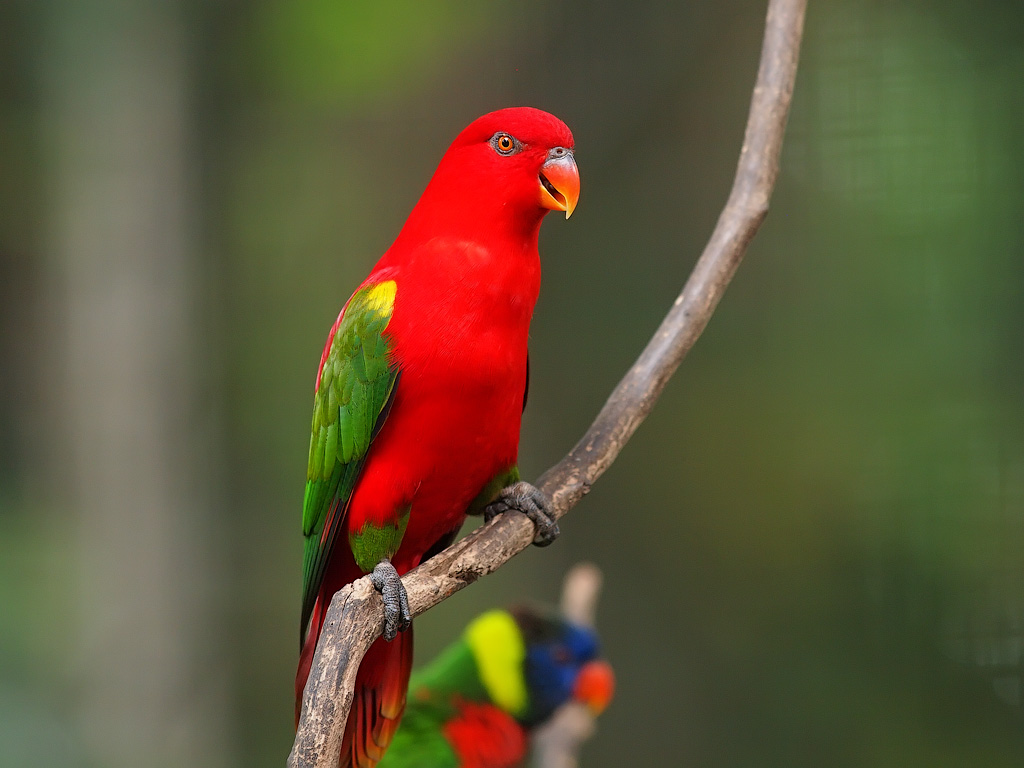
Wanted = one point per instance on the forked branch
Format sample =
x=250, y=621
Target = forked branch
x=355, y=619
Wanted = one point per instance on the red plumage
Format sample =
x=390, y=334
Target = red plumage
x=467, y=275
x=484, y=736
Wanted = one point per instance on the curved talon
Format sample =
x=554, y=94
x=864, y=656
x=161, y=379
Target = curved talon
x=397, y=616
x=532, y=502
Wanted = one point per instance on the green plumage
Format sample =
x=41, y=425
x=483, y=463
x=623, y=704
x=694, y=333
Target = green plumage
x=419, y=742
x=370, y=543
x=453, y=673
x=492, y=489
x=356, y=383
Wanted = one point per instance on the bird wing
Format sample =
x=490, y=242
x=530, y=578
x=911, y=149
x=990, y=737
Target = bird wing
x=356, y=385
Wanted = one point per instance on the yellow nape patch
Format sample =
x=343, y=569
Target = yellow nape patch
x=381, y=296
x=498, y=649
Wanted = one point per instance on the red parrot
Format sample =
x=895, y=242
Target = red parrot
x=420, y=392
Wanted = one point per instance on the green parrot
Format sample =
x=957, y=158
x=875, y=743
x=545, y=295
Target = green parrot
x=477, y=703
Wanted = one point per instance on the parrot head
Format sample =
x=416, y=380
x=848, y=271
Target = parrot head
x=524, y=156
x=511, y=166
x=562, y=663
x=532, y=661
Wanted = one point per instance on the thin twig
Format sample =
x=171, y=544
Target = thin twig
x=580, y=590
x=557, y=743
x=355, y=618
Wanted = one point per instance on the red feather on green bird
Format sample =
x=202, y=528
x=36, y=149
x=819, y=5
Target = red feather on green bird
x=420, y=391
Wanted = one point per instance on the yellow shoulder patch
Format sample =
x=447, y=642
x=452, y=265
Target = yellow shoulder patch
x=498, y=650
x=381, y=296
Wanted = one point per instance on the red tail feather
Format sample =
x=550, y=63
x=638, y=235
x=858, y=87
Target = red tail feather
x=379, y=701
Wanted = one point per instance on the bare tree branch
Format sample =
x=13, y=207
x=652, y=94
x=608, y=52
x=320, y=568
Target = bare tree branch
x=557, y=743
x=355, y=618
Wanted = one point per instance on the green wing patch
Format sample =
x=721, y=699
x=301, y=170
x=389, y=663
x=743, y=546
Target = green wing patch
x=353, y=396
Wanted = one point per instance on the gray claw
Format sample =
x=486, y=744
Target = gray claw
x=397, y=616
x=532, y=502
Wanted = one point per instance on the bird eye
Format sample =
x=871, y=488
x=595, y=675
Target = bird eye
x=504, y=144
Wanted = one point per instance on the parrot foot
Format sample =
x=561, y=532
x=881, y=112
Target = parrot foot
x=397, y=616
x=532, y=502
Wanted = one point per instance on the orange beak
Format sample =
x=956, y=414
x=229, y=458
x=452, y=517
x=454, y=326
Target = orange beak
x=560, y=181
x=595, y=686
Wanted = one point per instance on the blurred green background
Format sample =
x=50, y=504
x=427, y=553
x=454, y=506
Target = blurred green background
x=814, y=549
